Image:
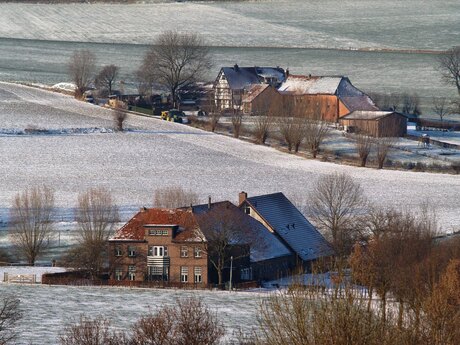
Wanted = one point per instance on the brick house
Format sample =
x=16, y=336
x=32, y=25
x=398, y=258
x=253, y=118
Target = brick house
x=159, y=245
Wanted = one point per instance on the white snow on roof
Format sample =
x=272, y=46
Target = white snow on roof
x=305, y=85
x=367, y=115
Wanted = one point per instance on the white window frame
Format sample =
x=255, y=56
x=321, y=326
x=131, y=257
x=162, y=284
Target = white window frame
x=118, y=273
x=118, y=251
x=198, y=275
x=184, y=252
x=197, y=252
x=132, y=272
x=131, y=251
x=184, y=274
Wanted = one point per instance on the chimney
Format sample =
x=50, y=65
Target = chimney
x=236, y=68
x=209, y=202
x=287, y=72
x=242, y=197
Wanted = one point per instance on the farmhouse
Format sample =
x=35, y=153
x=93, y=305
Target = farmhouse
x=283, y=219
x=159, y=245
x=232, y=83
x=178, y=247
x=326, y=98
x=376, y=123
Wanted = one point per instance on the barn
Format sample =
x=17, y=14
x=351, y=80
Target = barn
x=375, y=123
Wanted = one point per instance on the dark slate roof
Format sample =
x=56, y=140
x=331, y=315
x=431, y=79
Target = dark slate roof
x=289, y=223
x=264, y=245
x=242, y=77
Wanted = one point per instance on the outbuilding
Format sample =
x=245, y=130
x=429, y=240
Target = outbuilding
x=375, y=123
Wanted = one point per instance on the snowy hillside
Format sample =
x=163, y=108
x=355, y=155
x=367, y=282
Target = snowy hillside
x=288, y=23
x=155, y=154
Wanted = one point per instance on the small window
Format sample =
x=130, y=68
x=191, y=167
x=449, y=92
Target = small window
x=118, y=273
x=118, y=251
x=197, y=252
x=198, y=275
x=246, y=273
x=184, y=252
x=184, y=274
x=131, y=251
x=247, y=210
x=158, y=232
x=132, y=272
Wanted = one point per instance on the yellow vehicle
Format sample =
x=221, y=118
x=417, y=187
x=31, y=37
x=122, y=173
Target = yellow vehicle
x=174, y=115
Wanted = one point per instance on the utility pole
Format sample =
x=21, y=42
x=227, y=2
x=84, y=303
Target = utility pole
x=231, y=272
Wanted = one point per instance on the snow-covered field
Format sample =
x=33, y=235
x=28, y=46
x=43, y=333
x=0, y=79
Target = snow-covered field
x=36, y=41
x=157, y=154
x=388, y=24
x=47, y=309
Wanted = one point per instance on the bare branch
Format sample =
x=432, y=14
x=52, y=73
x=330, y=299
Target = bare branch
x=31, y=221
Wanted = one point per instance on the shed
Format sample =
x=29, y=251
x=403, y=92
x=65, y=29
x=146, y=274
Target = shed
x=376, y=123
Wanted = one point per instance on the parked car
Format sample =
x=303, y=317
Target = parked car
x=174, y=115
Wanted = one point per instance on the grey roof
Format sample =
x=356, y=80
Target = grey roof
x=368, y=115
x=363, y=102
x=290, y=224
x=264, y=244
x=242, y=77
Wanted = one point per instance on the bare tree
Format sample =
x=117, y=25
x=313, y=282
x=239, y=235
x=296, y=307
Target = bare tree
x=31, y=221
x=441, y=107
x=237, y=123
x=226, y=234
x=176, y=60
x=174, y=197
x=106, y=78
x=196, y=324
x=449, y=64
x=189, y=322
x=81, y=68
x=300, y=316
x=119, y=117
x=97, y=216
x=315, y=133
x=89, y=331
x=10, y=315
x=382, y=147
x=410, y=104
x=214, y=118
x=337, y=207
x=363, y=145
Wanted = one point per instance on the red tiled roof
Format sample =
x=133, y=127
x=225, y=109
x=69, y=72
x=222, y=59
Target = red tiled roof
x=134, y=229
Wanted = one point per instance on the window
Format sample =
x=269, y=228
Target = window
x=246, y=274
x=184, y=274
x=247, y=210
x=184, y=252
x=131, y=251
x=197, y=252
x=132, y=272
x=198, y=276
x=156, y=271
x=118, y=273
x=158, y=251
x=158, y=232
x=118, y=251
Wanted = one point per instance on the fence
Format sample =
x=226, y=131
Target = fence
x=19, y=278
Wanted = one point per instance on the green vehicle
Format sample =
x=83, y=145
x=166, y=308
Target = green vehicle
x=174, y=115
